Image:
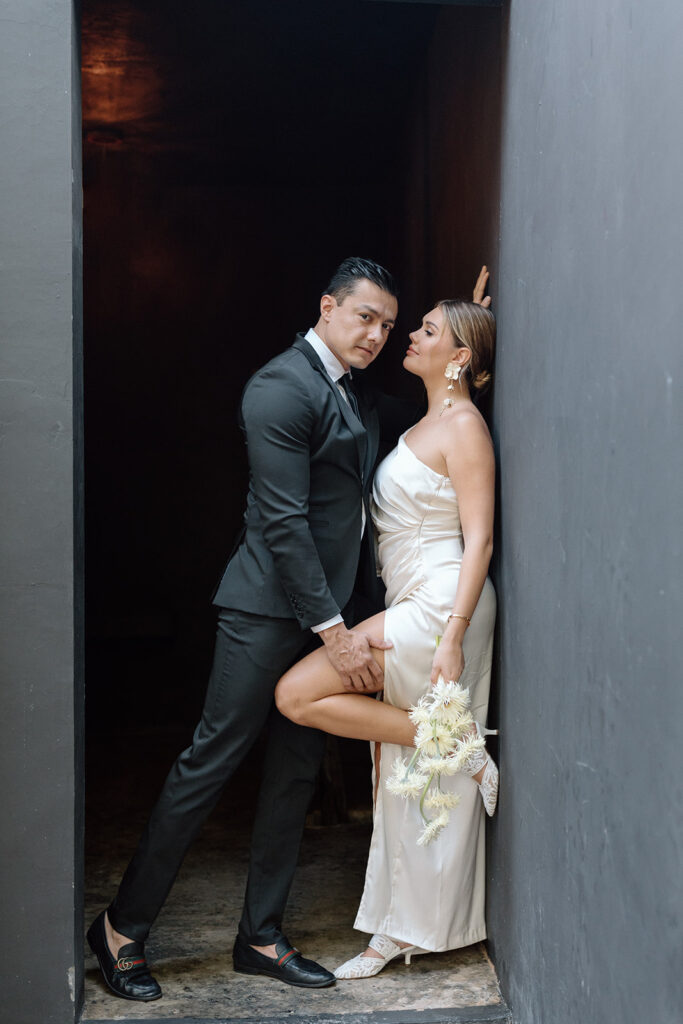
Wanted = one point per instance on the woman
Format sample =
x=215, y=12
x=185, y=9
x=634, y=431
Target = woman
x=433, y=501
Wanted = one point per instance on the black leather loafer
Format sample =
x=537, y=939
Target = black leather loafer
x=128, y=976
x=288, y=966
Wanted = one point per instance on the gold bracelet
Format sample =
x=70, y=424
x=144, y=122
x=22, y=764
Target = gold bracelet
x=455, y=615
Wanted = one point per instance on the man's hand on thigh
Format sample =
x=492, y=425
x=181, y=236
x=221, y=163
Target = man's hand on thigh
x=351, y=655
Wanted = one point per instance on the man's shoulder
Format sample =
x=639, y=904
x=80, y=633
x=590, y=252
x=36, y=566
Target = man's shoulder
x=285, y=387
x=288, y=365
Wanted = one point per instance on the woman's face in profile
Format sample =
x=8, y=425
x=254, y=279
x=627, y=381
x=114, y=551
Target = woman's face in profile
x=430, y=346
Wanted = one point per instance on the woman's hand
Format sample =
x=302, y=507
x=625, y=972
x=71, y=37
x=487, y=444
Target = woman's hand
x=480, y=289
x=448, y=661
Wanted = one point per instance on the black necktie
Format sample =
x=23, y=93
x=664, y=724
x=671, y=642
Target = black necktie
x=346, y=384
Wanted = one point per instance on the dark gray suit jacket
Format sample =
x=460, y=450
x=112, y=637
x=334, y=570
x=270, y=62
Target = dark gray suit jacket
x=310, y=466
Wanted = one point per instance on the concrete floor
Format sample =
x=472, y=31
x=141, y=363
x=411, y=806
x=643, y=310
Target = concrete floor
x=190, y=945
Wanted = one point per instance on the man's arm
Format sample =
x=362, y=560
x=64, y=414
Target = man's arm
x=278, y=419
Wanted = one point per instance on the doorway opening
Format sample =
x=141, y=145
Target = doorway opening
x=234, y=153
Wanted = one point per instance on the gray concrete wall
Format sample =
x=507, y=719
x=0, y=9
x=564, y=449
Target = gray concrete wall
x=39, y=316
x=585, y=868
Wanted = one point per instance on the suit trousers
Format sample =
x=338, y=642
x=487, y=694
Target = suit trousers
x=251, y=654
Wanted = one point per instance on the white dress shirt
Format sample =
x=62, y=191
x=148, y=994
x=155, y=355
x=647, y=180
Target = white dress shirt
x=335, y=371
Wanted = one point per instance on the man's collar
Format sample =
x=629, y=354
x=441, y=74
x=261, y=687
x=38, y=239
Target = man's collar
x=334, y=368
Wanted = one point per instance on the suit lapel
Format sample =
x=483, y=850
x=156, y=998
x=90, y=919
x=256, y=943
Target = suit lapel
x=371, y=423
x=348, y=415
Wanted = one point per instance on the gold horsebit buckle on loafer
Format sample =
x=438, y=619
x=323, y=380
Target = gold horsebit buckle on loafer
x=126, y=963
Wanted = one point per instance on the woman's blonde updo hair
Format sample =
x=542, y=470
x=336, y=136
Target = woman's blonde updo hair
x=473, y=327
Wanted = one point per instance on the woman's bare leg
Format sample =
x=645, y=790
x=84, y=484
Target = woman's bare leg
x=311, y=693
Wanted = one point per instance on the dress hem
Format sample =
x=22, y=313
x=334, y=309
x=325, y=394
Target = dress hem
x=464, y=939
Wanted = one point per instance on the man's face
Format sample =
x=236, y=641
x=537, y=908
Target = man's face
x=356, y=329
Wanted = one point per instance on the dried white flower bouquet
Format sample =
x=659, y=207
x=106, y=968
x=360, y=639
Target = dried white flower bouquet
x=445, y=741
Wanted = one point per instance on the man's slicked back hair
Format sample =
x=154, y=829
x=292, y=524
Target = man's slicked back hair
x=355, y=269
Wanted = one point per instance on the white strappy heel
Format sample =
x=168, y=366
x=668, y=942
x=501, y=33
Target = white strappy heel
x=488, y=787
x=367, y=966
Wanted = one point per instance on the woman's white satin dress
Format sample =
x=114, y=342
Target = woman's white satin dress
x=430, y=896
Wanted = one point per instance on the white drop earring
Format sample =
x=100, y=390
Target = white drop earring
x=452, y=374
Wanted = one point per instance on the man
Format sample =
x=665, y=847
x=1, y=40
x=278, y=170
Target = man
x=312, y=444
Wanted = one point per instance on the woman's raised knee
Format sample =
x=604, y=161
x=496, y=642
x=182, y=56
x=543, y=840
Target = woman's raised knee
x=288, y=699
